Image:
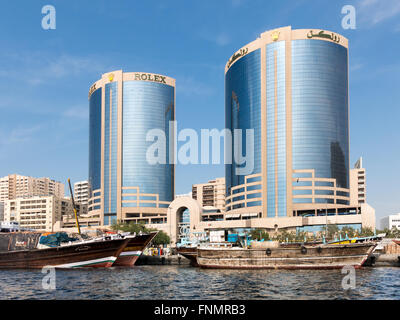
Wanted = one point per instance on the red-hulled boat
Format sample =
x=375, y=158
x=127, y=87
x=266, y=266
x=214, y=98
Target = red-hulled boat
x=19, y=250
x=134, y=249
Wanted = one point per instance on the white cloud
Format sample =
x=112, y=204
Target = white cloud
x=18, y=135
x=220, y=39
x=66, y=65
x=237, y=3
x=356, y=66
x=36, y=68
x=190, y=86
x=372, y=12
x=77, y=112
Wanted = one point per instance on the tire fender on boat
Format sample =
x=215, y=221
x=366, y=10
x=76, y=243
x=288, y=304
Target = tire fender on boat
x=268, y=252
x=303, y=250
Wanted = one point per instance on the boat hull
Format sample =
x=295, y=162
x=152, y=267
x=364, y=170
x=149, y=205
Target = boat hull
x=84, y=254
x=189, y=253
x=306, y=257
x=134, y=249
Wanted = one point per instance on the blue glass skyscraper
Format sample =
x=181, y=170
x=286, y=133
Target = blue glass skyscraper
x=291, y=88
x=124, y=107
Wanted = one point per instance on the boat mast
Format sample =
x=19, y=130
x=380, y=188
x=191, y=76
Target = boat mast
x=326, y=220
x=73, y=204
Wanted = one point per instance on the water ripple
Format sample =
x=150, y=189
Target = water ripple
x=183, y=282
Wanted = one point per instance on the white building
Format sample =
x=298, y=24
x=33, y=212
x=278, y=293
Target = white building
x=391, y=221
x=81, y=192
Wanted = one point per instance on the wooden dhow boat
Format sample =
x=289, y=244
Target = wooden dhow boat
x=134, y=249
x=189, y=253
x=22, y=250
x=321, y=256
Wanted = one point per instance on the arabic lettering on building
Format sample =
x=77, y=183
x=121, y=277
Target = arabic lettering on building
x=92, y=88
x=321, y=34
x=237, y=55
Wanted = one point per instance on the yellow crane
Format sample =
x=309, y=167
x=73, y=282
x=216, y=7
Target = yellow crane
x=73, y=204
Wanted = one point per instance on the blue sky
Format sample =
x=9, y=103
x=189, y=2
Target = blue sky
x=45, y=75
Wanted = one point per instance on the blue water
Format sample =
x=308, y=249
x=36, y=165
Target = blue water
x=184, y=282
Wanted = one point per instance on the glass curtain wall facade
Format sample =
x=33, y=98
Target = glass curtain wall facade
x=95, y=139
x=243, y=98
x=150, y=106
x=320, y=109
x=291, y=87
x=124, y=108
x=276, y=129
x=110, y=153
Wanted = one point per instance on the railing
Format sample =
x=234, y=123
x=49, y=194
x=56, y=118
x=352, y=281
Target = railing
x=230, y=200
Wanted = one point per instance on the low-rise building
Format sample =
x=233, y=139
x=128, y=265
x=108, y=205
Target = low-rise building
x=357, y=217
x=391, y=221
x=38, y=213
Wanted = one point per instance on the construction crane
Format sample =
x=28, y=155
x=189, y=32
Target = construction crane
x=73, y=204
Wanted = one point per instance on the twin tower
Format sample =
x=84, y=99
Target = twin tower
x=289, y=86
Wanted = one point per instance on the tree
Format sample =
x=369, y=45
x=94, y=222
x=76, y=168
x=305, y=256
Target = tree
x=300, y=236
x=366, y=232
x=161, y=238
x=395, y=233
x=333, y=230
x=347, y=231
x=283, y=235
x=130, y=227
x=388, y=232
x=258, y=234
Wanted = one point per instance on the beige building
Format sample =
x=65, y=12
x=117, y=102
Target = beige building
x=16, y=186
x=362, y=215
x=39, y=212
x=210, y=194
x=358, y=186
x=1, y=211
